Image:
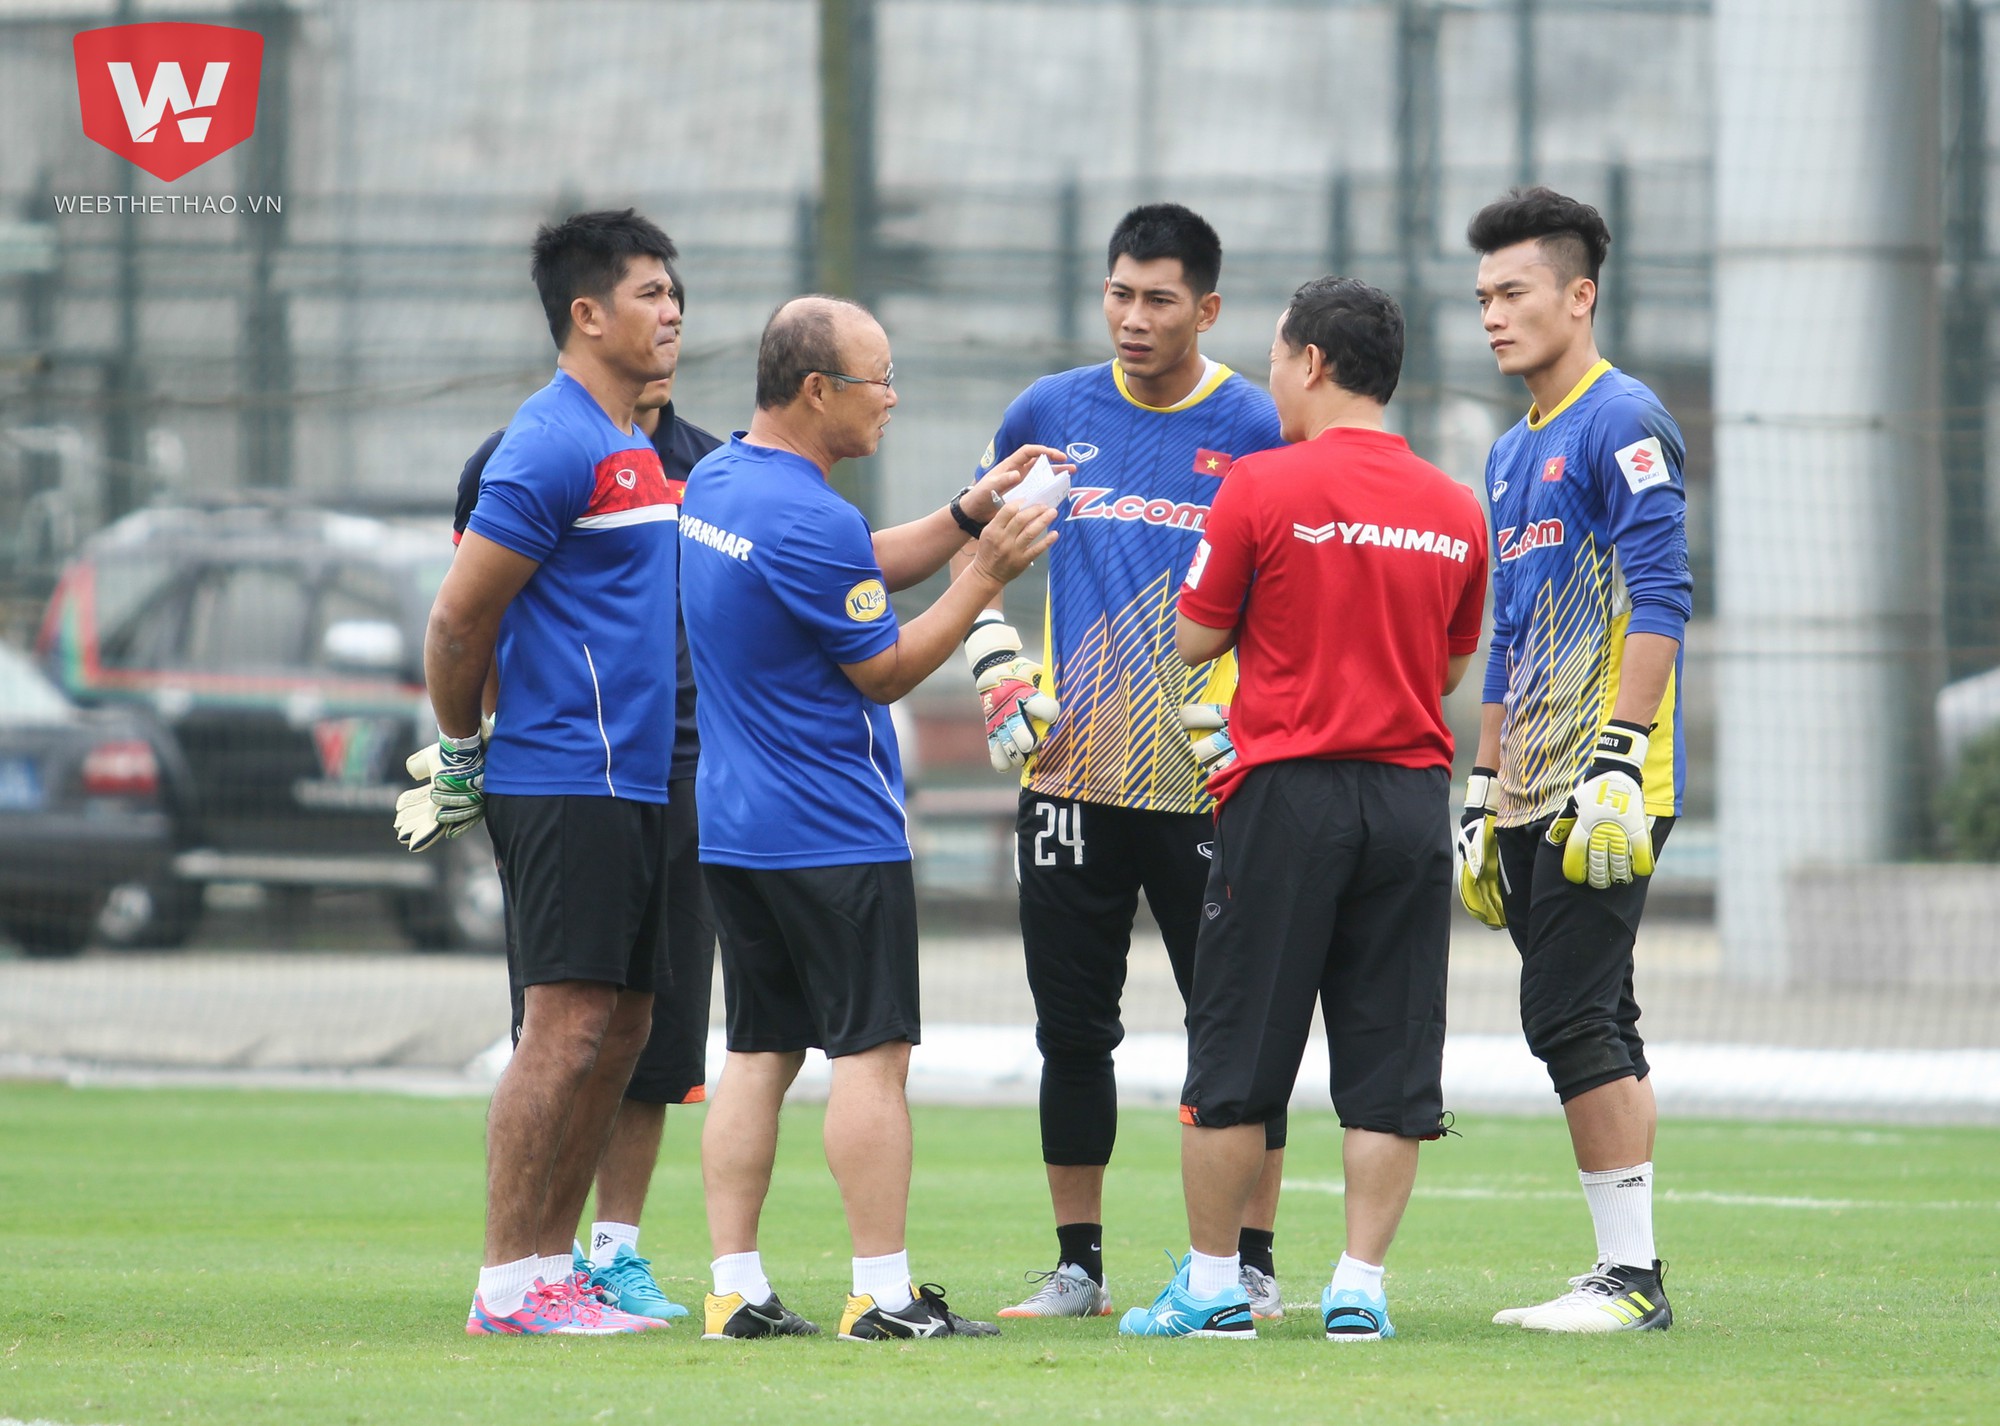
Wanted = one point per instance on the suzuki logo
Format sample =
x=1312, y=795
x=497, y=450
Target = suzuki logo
x=131, y=79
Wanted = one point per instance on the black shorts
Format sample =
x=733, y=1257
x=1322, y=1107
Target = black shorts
x=673, y=1068
x=1577, y=1008
x=817, y=956
x=1332, y=882
x=586, y=882
x=1081, y=867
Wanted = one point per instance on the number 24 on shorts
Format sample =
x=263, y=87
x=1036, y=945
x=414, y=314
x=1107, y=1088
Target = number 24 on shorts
x=1062, y=826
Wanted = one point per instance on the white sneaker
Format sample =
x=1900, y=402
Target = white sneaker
x=1613, y=1299
x=1515, y=1316
x=1066, y=1292
x=1267, y=1304
x=1605, y=1299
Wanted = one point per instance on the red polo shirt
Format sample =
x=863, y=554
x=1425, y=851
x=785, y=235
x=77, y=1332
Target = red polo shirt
x=1351, y=570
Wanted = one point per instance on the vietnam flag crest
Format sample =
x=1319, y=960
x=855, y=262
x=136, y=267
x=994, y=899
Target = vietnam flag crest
x=1215, y=463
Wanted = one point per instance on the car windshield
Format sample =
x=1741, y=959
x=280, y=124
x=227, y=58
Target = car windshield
x=26, y=696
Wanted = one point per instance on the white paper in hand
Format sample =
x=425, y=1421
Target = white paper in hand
x=1042, y=485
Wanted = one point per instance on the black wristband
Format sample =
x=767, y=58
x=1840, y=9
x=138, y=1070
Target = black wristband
x=972, y=527
x=1613, y=749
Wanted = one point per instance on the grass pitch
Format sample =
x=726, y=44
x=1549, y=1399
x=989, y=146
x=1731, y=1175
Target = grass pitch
x=237, y=1256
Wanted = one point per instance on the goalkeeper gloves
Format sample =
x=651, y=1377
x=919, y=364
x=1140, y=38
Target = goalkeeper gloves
x=453, y=793
x=1017, y=712
x=1207, y=725
x=1476, y=860
x=1603, y=830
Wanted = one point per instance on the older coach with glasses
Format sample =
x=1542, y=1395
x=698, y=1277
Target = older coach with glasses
x=803, y=834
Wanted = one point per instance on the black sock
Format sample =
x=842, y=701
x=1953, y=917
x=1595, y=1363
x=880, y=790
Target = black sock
x=1253, y=1246
x=1083, y=1244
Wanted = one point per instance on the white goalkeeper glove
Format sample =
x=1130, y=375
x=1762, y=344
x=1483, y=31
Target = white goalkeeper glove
x=1017, y=711
x=1207, y=726
x=1476, y=860
x=451, y=795
x=1604, y=832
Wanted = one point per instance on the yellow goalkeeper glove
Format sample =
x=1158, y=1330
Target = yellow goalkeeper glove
x=1606, y=837
x=1476, y=859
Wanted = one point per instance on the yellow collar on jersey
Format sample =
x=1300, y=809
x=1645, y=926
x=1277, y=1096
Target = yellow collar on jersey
x=1536, y=420
x=1216, y=374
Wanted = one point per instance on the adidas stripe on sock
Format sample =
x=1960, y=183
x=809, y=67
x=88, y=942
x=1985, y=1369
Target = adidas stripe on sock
x=1621, y=1206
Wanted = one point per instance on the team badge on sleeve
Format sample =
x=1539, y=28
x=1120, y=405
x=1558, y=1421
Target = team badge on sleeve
x=1200, y=564
x=1215, y=463
x=1644, y=464
x=867, y=601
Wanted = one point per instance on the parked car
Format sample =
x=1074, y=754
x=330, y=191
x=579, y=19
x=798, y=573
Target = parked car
x=283, y=648
x=82, y=809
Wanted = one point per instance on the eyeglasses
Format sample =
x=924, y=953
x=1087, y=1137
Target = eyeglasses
x=887, y=381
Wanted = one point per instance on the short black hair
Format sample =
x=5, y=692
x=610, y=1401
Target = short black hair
x=1572, y=234
x=586, y=255
x=1158, y=230
x=1358, y=329
x=795, y=344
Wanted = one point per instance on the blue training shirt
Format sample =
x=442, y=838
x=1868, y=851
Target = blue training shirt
x=1145, y=476
x=1589, y=545
x=679, y=443
x=586, y=652
x=779, y=588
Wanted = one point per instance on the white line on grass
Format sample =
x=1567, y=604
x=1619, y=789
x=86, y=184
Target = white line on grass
x=1669, y=1195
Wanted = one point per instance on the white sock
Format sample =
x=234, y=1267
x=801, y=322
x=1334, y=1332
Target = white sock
x=504, y=1289
x=1621, y=1205
x=558, y=1268
x=742, y=1274
x=886, y=1279
x=1211, y=1277
x=1353, y=1275
x=605, y=1238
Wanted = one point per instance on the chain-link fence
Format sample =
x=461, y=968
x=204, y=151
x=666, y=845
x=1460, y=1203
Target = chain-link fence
x=346, y=314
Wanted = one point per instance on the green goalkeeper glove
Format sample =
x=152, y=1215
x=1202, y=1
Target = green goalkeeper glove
x=1017, y=712
x=1604, y=832
x=1477, y=860
x=452, y=796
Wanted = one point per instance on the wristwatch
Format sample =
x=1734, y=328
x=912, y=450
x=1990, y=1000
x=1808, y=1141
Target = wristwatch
x=972, y=527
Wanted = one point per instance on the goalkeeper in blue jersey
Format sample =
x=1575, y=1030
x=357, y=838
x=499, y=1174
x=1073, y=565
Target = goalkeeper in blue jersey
x=1117, y=735
x=1581, y=761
